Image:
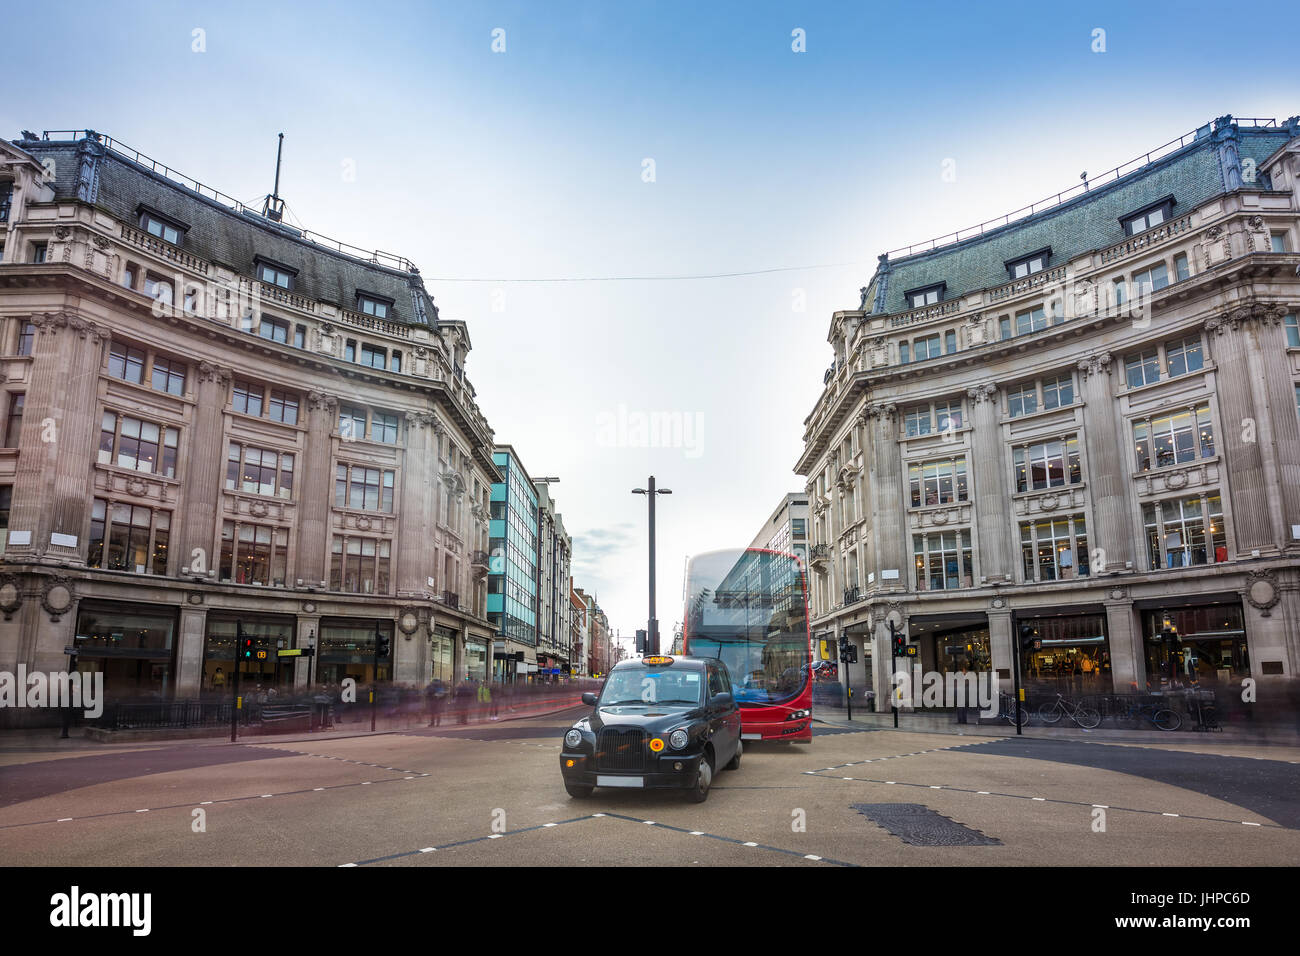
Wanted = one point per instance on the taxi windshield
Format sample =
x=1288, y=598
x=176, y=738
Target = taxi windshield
x=646, y=685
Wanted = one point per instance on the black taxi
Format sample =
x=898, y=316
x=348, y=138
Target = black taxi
x=659, y=722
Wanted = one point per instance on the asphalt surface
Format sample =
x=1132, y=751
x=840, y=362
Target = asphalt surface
x=492, y=795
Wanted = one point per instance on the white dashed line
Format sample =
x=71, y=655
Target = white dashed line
x=318, y=789
x=428, y=849
x=265, y=795
x=342, y=865
x=983, y=792
x=1169, y=814
x=206, y=803
x=750, y=844
x=495, y=836
x=1039, y=799
x=810, y=856
x=550, y=824
x=145, y=810
x=697, y=833
x=1247, y=823
x=63, y=819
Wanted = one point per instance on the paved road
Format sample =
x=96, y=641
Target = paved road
x=485, y=796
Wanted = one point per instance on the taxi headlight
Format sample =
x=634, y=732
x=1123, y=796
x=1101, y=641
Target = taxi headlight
x=678, y=739
x=573, y=739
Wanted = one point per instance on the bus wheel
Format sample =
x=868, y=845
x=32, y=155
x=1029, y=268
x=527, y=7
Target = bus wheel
x=735, y=760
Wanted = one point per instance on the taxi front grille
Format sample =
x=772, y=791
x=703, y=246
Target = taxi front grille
x=620, y=750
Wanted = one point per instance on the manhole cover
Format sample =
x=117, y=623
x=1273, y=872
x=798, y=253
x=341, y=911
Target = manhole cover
x=920, y=826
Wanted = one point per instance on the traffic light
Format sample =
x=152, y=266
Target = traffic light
x=247, y=652
x=900, y=644
x=383, y=645
x=640, y=642
x=1029, y=641
x=848, y=651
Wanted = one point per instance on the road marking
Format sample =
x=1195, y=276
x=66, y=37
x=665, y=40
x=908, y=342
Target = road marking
x=145, y=810
x=428, y=849
x=63, y=819
x=810, y=856
x=750, y=844
x=1170, y=814
x=265, y=795
x=495, y=836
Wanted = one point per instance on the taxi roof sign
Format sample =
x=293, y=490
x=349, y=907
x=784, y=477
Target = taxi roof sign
x=653, y=661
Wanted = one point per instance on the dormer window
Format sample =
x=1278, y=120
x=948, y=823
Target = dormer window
x=273, y=273
x=1026, y=266
x=926, y=295
x=377, y=306
x=162, y=227
x=1148, y=217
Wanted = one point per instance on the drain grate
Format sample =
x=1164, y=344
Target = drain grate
x=920, y=826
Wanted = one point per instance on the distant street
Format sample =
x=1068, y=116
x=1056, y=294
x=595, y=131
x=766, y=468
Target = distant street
x=492, y=795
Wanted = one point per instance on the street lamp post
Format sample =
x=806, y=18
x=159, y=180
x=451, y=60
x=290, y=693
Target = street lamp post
x=652, y=637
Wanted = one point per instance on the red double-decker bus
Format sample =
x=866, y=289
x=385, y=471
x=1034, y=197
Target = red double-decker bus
x=749, y=609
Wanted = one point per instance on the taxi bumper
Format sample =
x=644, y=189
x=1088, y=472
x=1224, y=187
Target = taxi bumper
x=673, y=771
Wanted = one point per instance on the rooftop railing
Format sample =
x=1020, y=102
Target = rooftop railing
x=373, y=257
x=1065, y=196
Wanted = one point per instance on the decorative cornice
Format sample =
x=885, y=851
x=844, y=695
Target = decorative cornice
x=1263, y=313
x=982, y=393
x=886, y=410
x=417, y=420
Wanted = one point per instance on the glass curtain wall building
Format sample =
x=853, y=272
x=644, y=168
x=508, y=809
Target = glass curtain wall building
x=512, y=569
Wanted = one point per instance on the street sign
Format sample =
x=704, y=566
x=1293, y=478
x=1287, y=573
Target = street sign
x=297, y=652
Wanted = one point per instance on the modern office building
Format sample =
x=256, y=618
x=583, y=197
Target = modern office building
x=1081, y=420
x=786, y=531
x=215, y=421
x=512, y=577
x=555, y=553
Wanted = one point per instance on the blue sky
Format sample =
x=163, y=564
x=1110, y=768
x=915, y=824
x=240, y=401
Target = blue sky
x=528, y=164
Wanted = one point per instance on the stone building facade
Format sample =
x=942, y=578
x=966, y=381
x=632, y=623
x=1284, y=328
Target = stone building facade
x=554, y=586
x=1077, y=429
x=217, y=421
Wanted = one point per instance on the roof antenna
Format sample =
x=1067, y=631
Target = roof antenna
x=273, y=208
x=1084, y=176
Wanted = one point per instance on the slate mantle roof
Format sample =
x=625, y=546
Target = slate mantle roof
x=107, y=177
x=1193, y=174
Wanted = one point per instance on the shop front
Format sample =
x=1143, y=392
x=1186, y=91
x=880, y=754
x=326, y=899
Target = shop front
x=951, y=643
x=132, y=645
x=442, y=654
x=1197, y=643
x=347, y=649
x=478, y=652
x=270, y=633
x=1067, y=653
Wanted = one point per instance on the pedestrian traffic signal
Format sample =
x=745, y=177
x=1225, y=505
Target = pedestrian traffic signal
x=848, y=652
x=640, y=642
x=900, y=645
x=248, y=648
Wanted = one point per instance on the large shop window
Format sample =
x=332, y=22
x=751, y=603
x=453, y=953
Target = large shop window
x=938, y=482
x=347, y=649
x=1048, y=464
x=942, y=560
x=360, y=565
x=442, y=654
x=131, y=645
x=125, y=537
x=1182, y=532
x=1055, y=549
x=1195, y=644
x=269, y=633
x=476, y=659
x=254, y=554
x=1174, y=439
x=138, y=445
x=1073, y=655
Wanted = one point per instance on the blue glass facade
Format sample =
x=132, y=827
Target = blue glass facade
x=512, y=567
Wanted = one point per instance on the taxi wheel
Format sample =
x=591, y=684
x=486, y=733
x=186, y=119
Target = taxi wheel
x=735, y=761
x=578, y=790
x=700, y=793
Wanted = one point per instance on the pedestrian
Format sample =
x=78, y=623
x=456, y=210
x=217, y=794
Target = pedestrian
x=433, y=701
x=461, y=698
x=218, y=680
x=484, y=699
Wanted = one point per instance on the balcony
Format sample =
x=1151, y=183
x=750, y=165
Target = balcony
x=478, y=562
x=852, y=596
x=820, y=554
x=451, y=599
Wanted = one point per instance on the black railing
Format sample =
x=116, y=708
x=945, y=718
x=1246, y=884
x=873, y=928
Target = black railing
x=852, y=595
x=451, y=599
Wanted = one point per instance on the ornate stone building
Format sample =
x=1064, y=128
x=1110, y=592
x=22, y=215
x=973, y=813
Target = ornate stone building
x=1077, y=425
x=215, y=421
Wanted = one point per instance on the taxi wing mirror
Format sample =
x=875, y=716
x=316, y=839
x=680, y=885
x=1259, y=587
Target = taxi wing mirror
x=589, y=699
x=723, y=700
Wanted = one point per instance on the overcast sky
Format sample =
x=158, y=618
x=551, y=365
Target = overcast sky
x=405, y=131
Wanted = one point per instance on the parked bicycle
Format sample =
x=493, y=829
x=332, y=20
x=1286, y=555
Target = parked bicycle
x=1086, y=717
x=1152, y=711
x=1007, y=710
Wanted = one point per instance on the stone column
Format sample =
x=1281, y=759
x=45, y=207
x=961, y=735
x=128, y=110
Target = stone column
x=189, y=650
x=415, y=529
x=307, y=669
x=52, y=487
x=892, y=550
x=1128, y=668
x=1260, y=435
x=1107, y=471
x=992, y=491
x=1002, y=644
x=205, y=468
x=317, y=492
